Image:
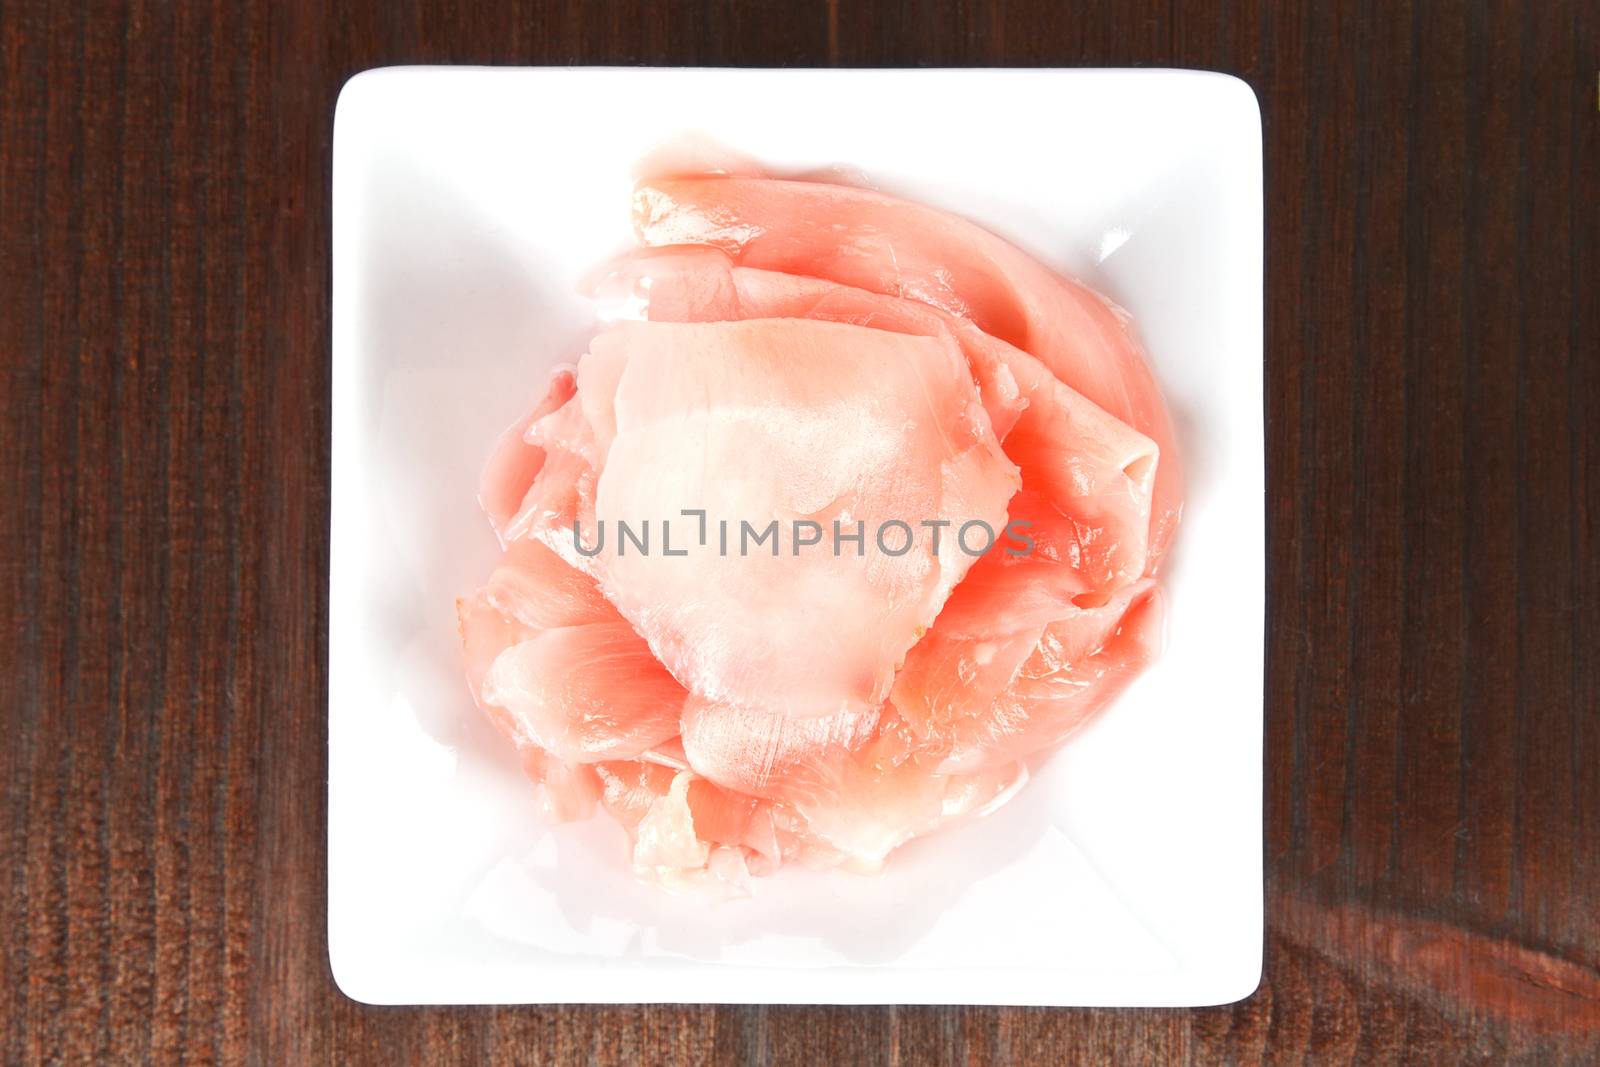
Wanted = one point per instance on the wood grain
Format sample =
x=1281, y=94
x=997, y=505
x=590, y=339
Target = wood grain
x=1433, y=396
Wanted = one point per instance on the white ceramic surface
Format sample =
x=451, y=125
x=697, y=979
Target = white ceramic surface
x=466, y=204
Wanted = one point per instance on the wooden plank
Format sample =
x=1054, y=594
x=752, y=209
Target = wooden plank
x=1433, y=378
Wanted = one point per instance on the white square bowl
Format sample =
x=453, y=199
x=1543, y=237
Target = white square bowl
x=467, y=202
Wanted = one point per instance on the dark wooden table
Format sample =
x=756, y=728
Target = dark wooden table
x=1433, y=384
